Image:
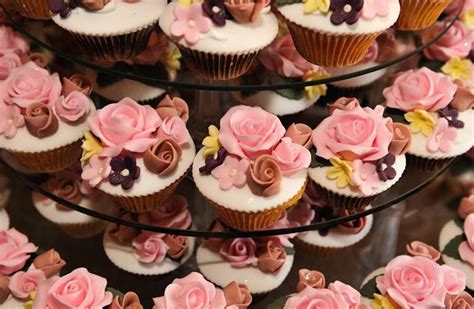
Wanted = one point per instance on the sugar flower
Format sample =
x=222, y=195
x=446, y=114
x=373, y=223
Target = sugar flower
x=190, y=23
x=381, y=302
x=231, y=173
x=365, y=177
x=311, y=6
x=373, y=8
x=442, y=137
x=313, y=92
x=10, y=120
x=97, y=170
x=420, y=121
x=466, y=248
x=457, y=68
x=341, y=171
x=90, y=146
x=211, y=143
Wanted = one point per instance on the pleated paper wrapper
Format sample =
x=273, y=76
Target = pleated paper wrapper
x=426, y=164
x=342, y=201
x=419, y=14
x=35, y=9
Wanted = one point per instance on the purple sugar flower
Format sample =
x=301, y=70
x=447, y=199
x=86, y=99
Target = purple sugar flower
x=384, y=167
x=63, y=7
x=346, y=11
x=211, y=163
x=215, y=10
x=451, y=115
x=124, y=171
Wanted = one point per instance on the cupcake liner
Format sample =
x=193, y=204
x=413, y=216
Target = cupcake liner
x=419, y=14
x=115, y=47
x=316, y=250
x=50, y=161
x=343, y=201
x=36, y=9
x=252, y=221
x=426, y=164
x=83, y=230
x=217, y=66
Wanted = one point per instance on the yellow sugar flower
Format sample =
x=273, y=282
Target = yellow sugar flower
x=381, y=302
x=420, y=121
x=185, y=2
x=311, y=6
x=468, y=18
x=211, y=143
x=457, y=68
x=341, y=171
x=29, y=304
x=172, y=62
x=312, y=92
x=90, y=146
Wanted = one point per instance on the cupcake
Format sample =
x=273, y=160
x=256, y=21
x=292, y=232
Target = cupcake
x=148, y=253
x=284, y=65
x=249, y=171
x=438, y=112
x=67, y=185
x=437, y=286
x=337, y=33
x=138, y=155
x=456, y=240
x=263, y=263
x=359, y=154
x=219, y=40
x=99, y=29
x=35, y=9
x=196, y=292
x=419, y=14
x=42, y=119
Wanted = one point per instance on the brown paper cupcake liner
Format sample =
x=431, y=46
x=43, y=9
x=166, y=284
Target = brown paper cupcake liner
x=216, y=66
x=145, y=203
x=115, y=47
x=316, y=250
x=83, y=230
x=342, y=201
x=419, y=14
x=252, y=221
x=36, y=9
x=426, y=164
x=48, y=161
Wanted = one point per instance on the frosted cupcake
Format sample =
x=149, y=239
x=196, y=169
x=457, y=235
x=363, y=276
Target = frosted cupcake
x=284, y=66
x=263, y=263
x=440, y=120
x=456, y=241
x=138, y=155
x=437, y=286
x=419, y=14
x=42, y=119
x=219, y=40
x=35, y=9
x=359, y=154
x=337, y=33
x=195, y=291
x=249, y=171
x=113, y=30
x=148, y=253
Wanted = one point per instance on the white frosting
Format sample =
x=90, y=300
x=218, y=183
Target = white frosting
x=148, y=182
x=274, y=103
x=219, y=271
x=124, y=257
x=66, y=134
x=242, y=199
x=4, y=220
x=321, y=22
x=117, y=17
x=358, y=81
x=12, y=303
x=336, y=239
x=318, y=175
x=232, y=38
x=448, y=232
x=463, y=142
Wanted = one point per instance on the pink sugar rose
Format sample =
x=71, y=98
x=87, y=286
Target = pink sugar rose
x=150, y=247
x=30, y=84
x=8, y=62
x=351, y=296
x=291, y=157
x=466, y=248
x=420, y=89
x=192, y=291
x=454, y=43
x=72, y=107
x=14, y=251
x=249, y=132
x=125, y=125
x=174, y=128
x=78, y=289
x=23, y=283
x=360, y=133
x=173, y=213
x=240, y=252
x=454, y=279
x=11, y=41
x=311, y=298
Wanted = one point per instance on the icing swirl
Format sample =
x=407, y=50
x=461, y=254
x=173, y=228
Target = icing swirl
x=300, y=134
x=292, y=157
x=163, y=157
x=239, y=252
x=8, y=62
x=77, y=82
x=129, y=301
x=175, y=107
x=264, y=176
x=177, y=245
x=343, y=103
x=461, y=301
x=310, y=278
x=73, y=107
x=49, y=262
x=238, y=295
x=271, y=257
x=401, y=141
x=173, y=213
x=23, y=283
x=418, y=248
x=40, y=120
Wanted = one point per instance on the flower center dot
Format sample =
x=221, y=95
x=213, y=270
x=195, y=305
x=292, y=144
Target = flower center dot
x=233, y=172
x=192, y=23
x=384, y=166
x=439, y=136
x=347, y=8
x=363, y=176
x=216, y=9
x=125, y=173
x=10, y=121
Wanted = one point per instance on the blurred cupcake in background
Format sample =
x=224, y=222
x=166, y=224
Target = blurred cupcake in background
x=5, y=192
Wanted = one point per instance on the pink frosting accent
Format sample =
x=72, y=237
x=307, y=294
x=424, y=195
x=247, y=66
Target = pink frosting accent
x=125, y=125
x=23, y=283
x=365, y=177
x=150, y=247
x=174, y=128
x=10, y=120
x=466, y=248
x=231, y=173
x=456, y=42
x=316, y=298
x=190, y=23
x=173, y=213
x=360, y=133
x=14, y=251
x=97, y=170
x=442, y=138
x=401, y=273
x=78, y=289
x=30, y=84
x=454, y=279
x=11, y=41
x=72, y=107
x=192, y=291
x=240, y=252
x=8, y=62
x=303, y=214
x=282, y=223
x=374, y=8
x=420, y=89
x=351, y=296
x=282, y=57
x=372, y=53
x=249, y=132
x=291, y=157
